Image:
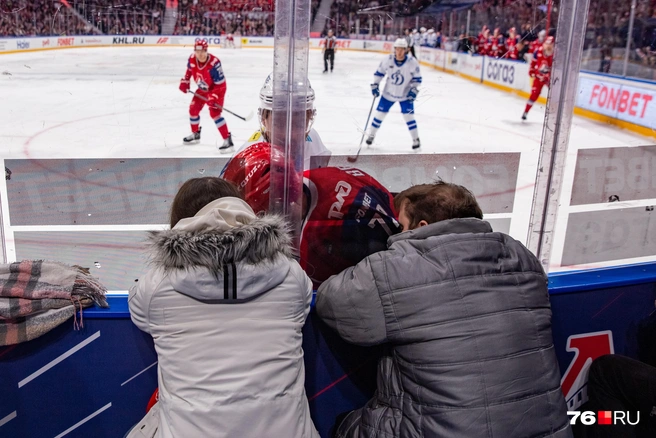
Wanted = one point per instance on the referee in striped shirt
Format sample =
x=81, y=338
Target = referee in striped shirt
x=329, y=51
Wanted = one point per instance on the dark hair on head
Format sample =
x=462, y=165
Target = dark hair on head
x=436, y=202
x=196, y=193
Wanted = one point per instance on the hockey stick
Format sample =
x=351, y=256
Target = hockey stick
x=355, y=158
x=248, y=117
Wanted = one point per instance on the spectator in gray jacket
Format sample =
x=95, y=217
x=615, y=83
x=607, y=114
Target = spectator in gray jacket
x=465, y=312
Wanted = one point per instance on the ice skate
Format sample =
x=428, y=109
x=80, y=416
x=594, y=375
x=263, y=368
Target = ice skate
x=228, y=146
x=194, y=137
x=370, y=139
x=416, y=144
x=524, y=115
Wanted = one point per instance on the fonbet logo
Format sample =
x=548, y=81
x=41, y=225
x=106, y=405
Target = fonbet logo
x=604, y=418
x=586, y=348
x=65, y=42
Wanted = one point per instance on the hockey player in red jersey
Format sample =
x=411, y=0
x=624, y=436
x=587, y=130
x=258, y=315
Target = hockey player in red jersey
x=230, y=41
x=497, y=44
x=511, y=44
x=347, y=214
x=540, y=71
x=205, y=69
x=482, y=41
x=537, y=44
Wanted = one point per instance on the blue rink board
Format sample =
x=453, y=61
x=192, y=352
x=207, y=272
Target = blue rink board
x=103, y=375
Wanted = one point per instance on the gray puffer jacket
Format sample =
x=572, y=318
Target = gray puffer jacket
x=467, y=316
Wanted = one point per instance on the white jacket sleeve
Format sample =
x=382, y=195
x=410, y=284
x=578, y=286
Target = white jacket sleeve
x=138, y=303
x=349, y=303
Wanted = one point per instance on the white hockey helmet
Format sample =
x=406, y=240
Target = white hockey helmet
x=400, y=42
x=542, y=35
x=422, y=29
x=266, y=95
x=431, y=30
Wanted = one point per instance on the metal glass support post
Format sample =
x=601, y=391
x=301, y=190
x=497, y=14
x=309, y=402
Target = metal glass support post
x=555, y=135
x=290, y=91
x=451, y=26
x=629, y=38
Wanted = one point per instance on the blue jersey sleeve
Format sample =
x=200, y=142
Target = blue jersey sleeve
x=217, y=73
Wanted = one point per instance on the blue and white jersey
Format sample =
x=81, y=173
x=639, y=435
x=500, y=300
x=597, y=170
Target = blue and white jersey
x=401, y=77
x=431, y=40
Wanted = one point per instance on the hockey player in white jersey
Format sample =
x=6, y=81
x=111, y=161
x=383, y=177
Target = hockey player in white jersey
x=315, y=151
x=403, y=78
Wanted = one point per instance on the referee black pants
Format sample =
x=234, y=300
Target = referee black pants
x=328, y=54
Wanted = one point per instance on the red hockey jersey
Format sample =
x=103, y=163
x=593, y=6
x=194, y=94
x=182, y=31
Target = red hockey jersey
x=511, y=47
x=535, y=45
x=350, y=216
x=497, y=46
x=541, y=66
x=208, y=76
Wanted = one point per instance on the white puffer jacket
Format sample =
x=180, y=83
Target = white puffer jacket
x=225, y=304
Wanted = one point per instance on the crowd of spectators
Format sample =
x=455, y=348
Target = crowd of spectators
x=608, y=32
x=135, y=17
x=608, y=20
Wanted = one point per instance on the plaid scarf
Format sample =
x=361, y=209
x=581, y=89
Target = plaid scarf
x=36, y=296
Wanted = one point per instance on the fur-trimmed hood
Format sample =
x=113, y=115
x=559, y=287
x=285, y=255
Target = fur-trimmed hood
x=238, y=263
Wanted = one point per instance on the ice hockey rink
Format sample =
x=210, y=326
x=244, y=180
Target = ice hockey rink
x=125, y=102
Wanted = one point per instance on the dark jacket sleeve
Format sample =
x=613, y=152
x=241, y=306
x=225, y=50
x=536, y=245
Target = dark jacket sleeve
x=349, y=303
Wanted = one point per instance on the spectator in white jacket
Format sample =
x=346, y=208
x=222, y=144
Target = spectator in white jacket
x=225, y=303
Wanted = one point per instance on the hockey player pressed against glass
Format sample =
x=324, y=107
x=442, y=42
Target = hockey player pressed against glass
x=347, y=214
x=403, y=78
x=540, y=72
x=205, y=69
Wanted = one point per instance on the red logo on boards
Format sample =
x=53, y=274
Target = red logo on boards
x=65, y=41
x=621, y=100
x=163, y=40
x=586, y=348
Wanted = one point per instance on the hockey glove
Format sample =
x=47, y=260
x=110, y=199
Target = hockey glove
x=412, y=94
x=374, y=90
x=184, y=85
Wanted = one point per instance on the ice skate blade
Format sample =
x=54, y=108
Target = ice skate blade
x=228, y=150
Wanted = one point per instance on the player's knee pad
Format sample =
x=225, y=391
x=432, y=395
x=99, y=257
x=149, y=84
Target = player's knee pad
x=215, y=113
x=194, y=109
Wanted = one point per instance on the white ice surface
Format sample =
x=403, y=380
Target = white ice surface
x=124, y=102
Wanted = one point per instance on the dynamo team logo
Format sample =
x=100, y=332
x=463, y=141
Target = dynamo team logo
x=397, y=78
